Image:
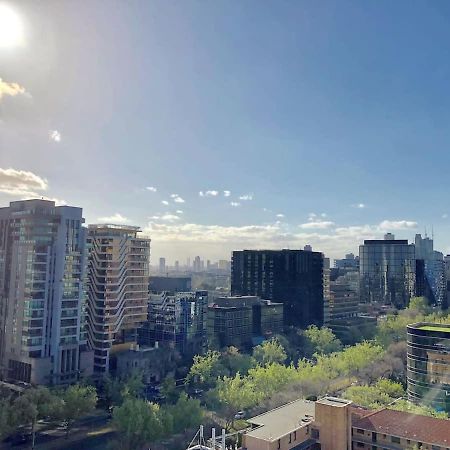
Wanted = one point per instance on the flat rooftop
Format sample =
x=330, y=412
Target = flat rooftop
x=441, y=327
x=334, y=401
x=435, y=328
x=278, y=422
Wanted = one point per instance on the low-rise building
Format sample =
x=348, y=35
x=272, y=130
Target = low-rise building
x=236, y=320
x=337, y=424
x=398, y=430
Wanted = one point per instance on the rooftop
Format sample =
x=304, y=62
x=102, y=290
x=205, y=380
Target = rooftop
x=278, y=422
x=401, y=424
x=435, y=328
x=443, y=328
x=334, y=401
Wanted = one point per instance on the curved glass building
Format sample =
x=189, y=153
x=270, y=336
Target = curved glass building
x=428, y=367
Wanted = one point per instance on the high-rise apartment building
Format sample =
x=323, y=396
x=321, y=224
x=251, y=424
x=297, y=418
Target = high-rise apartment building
x=42, y=293
x=292, y=277
x=118, y=288
x=387, y=270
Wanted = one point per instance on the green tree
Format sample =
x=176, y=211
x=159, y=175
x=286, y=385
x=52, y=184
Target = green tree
x=7, y=422
x=169, y=390
x=133, y=385
x=320, y=341
x=420, y=305
x=75, y=402
x=186, y=413
x=137, y=423
x=34, y=404
x=205, y=370
x=381, y=394
x=407, y=406
x=235, y=394
x=235, y=361
x=269, y=352
x=111, y=388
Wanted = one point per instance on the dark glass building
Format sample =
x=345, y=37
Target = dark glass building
x=292, y=277
x=176, y=321
x=428, y=367
x=387, y=270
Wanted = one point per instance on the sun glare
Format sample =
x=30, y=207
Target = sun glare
x=11, y=27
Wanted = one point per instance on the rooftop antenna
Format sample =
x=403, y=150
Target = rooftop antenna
x=425, y=231
x=432, y=232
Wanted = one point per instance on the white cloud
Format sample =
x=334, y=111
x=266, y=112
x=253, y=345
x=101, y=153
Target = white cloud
x=317, y=225
x=55, y=135
x=165, y=202
x=246, y=197
x=226, y=193
x=444, y=216
x=178, y=211
x=178, y=199
x=208, y=193
x=280, y=216
x=116, y=218
x=165, y=217
x=359, y=205
x=22, y=183
x=151, y=188
x=11, y=89
x=388, y=225
x=235, y=204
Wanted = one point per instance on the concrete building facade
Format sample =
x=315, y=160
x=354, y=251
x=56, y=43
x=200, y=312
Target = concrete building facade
x=118, y=289
x=42, y=293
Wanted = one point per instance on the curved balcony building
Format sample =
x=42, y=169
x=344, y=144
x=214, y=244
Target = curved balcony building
x=428, y=365
x=117, y=289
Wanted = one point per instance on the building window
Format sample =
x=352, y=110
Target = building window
x=295, y=435
x=279, y=443
x=360, y=444
x=358, y=430
x=395, y=440
x=290, y=438
x=314, y=433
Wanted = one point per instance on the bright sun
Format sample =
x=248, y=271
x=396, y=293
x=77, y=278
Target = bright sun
x=11, y=27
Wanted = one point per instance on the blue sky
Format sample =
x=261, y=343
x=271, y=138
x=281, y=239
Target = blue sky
x=330, y=117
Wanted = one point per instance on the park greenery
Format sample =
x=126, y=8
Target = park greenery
x=66, y=405
x=303, y=364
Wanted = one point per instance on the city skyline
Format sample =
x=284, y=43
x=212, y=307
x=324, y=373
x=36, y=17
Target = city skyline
x=226, y=126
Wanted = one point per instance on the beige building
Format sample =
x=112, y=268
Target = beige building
x=336, y=424
x=118, y=289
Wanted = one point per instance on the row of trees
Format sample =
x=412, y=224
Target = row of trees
x=139, y=422
x=63, y=405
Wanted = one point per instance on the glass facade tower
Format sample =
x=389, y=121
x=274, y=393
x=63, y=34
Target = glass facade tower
x=387, y=270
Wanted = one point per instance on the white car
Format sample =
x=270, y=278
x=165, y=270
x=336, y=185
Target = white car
x=240, y=415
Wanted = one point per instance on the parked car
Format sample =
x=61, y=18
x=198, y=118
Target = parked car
x=240, y=415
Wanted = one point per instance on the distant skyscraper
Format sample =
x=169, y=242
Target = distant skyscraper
x=118, y=288
x=224, y=265
x=162, y=265
x=42, y=293
x=197, y=264
x=293, y=277
x=177, y=266
x=387, y=271
x=434, y=270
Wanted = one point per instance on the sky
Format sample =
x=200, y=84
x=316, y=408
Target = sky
x=221, y=125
